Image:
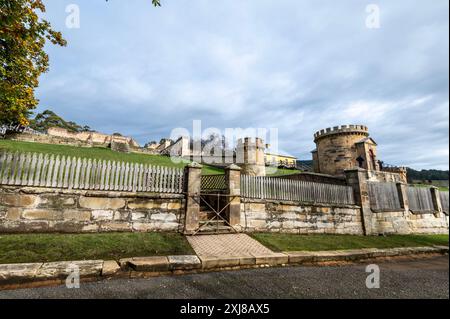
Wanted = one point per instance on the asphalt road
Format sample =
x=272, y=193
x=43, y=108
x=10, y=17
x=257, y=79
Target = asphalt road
x=417, y=278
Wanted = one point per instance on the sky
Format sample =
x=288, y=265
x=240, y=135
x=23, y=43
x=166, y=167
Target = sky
x=295, y=65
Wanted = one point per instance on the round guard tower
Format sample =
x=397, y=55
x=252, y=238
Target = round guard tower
x=344, y=147
x=250, y=156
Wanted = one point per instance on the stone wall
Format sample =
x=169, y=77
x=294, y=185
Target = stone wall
x=298, y=218
x=46, y=139
x=83, y=139
x=406, y=222
x=401, y=221
x=94, y=138
x=54, y=210
x=386, y=177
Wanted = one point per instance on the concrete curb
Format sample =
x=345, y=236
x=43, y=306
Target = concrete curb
x=17, y=276
x=305, y=257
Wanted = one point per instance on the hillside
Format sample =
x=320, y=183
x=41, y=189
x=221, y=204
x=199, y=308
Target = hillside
x=108, y=154
x=97, y=153
x=432, y=175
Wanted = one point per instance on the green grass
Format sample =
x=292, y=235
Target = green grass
x=66, y=247
x=292, y=242
x=283, y=172
x=441, y=188
x=98, y=153
x=103, y=153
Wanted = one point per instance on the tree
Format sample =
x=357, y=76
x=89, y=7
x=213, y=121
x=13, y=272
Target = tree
x=156, y=3
x=43, y=121
x=23, y=35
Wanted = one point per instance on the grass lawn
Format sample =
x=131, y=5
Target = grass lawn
x=292, y=242
x=111, y=246
x=441, y=188
x=98, y=153
x=283, y=172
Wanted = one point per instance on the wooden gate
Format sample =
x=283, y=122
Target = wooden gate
x=214, y=203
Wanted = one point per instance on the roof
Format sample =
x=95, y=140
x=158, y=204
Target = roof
x=280, y=154
x=367, y=139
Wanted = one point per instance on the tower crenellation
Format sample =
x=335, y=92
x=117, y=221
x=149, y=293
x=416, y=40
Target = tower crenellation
x=342, y=129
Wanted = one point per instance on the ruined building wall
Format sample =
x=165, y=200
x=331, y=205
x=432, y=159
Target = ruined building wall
x=250, y=156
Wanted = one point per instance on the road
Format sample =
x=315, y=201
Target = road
x=416, y=278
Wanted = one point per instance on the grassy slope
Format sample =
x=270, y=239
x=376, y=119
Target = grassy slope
x=111, y=246
x=441, y=188
x=97, y=153
x=291, y=242
x=107, y=154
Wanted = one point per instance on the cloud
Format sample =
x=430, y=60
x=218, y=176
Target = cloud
x=299, y=66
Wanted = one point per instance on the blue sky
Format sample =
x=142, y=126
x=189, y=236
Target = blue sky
x=299, y=66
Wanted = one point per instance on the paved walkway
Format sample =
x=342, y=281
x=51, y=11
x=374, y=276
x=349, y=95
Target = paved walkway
x=228, y=245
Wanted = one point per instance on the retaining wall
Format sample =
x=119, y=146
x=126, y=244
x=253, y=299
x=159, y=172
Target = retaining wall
x=53, y=210
x=407, y=222
x=300, y=218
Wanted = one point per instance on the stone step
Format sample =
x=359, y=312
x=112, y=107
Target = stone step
x=213, y=223
x=210, y=230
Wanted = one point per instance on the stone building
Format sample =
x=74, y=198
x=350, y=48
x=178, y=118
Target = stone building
x=350, y=146
x=279, y=159
x=250, y=156
x=92, y=138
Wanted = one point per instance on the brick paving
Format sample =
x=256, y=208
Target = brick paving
x=227, y=245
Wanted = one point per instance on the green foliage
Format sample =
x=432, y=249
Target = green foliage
x=292, y=242
x=427, y=175
x=65, y=247
x=43, y=121
x=23, y=35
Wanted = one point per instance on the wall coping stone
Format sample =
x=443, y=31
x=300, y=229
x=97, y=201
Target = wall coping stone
x=381, y=211
x=234, y=167
x=295, y=203
x=90, y=193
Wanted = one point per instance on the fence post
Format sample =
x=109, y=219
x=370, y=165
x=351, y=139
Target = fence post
x=403, y=195
x=193, y=173
x=357, y=179
x=233, y=182
x=435, y=195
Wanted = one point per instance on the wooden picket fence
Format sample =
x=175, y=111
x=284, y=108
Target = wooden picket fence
x=292, y=190
x=44, y=170
x=420, y=199
x=445, y=201
x=384, y=196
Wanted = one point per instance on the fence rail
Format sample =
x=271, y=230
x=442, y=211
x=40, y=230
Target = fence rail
x=420, y=199
x=384, y=196
x=445, y=201
x=43, y=170
x=292, y=190
x=213, y=182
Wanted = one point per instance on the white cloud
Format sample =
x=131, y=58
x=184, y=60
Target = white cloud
x=299, y=66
